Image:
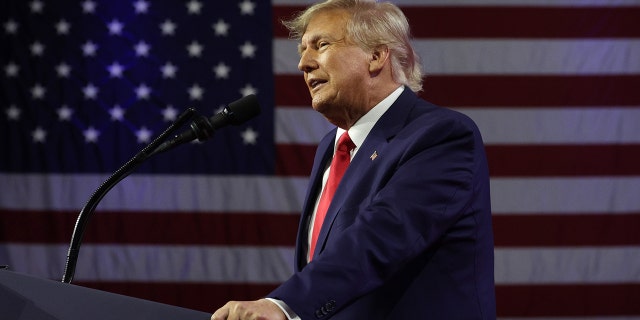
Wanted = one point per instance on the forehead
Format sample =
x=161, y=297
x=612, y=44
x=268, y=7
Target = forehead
x=326, y=23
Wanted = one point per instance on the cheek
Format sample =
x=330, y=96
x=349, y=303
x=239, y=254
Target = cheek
x=351, y=72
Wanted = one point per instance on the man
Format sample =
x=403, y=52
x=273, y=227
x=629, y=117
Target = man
x=407, y=234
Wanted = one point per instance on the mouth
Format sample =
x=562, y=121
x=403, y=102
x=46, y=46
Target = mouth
x=315, y=83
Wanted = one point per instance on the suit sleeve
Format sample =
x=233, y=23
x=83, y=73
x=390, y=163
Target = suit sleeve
x=427, y=186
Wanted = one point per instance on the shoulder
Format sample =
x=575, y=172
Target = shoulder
x=425, y=117
x=418, y=109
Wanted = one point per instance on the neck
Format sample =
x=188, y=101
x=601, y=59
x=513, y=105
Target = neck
x=378, y=93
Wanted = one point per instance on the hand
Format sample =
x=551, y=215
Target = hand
x=249, y=310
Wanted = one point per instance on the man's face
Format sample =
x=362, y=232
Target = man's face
x=336, y=70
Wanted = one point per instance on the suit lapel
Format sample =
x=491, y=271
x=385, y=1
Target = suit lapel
x=323, y=156
x=392, y=121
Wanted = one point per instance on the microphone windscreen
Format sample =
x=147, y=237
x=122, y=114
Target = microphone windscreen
x=243, y=109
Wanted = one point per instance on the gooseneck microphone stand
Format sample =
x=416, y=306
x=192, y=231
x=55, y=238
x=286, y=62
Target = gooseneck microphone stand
x=124, y=171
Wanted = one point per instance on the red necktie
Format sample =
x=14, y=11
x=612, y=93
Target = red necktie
x=339, y=165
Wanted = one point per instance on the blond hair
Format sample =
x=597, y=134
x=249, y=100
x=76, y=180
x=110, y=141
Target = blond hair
x=372, y=25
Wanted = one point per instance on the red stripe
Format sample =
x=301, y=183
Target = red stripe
x=513, y=91
x=507, y=22
x=568, y=300
x=152, y=228
x=291, y=90
x=496, y=91
x=512, y=300
x=512, y=160
x=518, y=230
x=563, y=160
x=574, y=230
x=294, y=159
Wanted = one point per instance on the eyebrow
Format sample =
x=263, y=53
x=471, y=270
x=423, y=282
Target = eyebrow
x=313, y=39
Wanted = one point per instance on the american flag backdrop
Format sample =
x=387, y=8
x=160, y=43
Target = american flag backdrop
x=554, y=86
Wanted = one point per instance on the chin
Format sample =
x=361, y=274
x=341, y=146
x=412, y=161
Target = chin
x=318, y=104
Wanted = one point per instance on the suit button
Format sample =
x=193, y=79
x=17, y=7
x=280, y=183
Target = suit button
x=326, y=309
x=330, y=305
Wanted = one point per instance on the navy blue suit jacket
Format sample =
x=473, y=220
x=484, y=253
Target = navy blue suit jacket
x=408, y=234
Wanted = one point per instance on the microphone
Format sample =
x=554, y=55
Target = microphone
x=202, y=128
x=236, y=113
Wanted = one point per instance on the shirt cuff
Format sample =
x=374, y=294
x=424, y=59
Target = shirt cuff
x=285, y=308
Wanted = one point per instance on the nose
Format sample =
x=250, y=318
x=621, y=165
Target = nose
x=307, y=61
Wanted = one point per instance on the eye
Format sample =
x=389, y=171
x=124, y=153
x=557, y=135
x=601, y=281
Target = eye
x=322, y=44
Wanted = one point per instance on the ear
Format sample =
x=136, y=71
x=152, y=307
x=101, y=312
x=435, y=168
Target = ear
x=379, y=58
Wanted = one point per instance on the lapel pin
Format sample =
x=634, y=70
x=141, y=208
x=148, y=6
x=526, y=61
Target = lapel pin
x=374, y=155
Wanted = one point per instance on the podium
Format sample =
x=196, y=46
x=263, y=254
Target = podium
x=24, y=297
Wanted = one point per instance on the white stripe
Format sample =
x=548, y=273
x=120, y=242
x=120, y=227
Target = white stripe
x=592, y=125
x=567, y=265
x=512, y=125
x=262, y=265
x=285, y=195
x=274, y=264
x=194, y=193
x=476, y=3
x=506, y=57
x=300, y=125
x=565, y=195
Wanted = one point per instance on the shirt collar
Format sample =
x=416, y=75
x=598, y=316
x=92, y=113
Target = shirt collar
x=360, y=130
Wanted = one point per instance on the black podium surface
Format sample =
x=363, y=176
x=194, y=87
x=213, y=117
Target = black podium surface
x=24, y=297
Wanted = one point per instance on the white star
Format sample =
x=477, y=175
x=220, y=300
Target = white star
x=11, y=69
x=141, y=6
x=142, y=49
x=62, y=27
x=13, y=113
x=196, y=92
x=222, y=71
x=90, y=91
x=63, y=70
x=248, y=50
x=247, y=7
x=247, y=90
x=36, y=6
x=64, y=113
x=249, y=136
x=194, y=7
x=221, y=28
x=169, y=113
x=39, y=135
x=11, y=27
x=115, y=27
x=37, y=48
x=195, y=49
x=88, y=6
x=143, y=92
x=143, y=135
x=38, y=91
x=168, y=70
x=89, y=48
x=168, y=27
x=91, y=135
x=115, y=70
x=117, y=113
